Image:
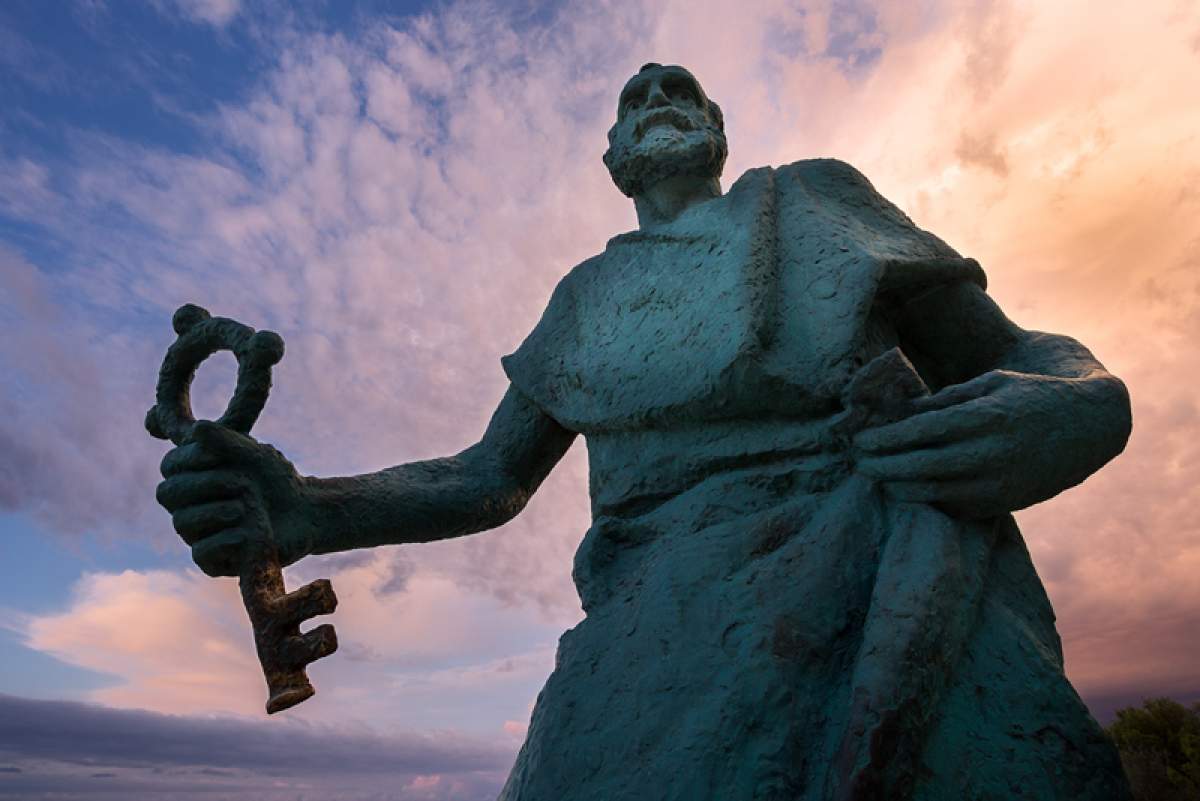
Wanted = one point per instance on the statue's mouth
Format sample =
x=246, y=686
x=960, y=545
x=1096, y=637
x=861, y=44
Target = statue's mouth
x=668, y=117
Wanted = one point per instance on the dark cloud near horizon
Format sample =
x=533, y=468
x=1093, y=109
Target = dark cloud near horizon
x=68, y=747
x=74, y=750
x=70, y=731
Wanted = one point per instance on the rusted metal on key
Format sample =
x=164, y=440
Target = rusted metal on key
x=275, y=614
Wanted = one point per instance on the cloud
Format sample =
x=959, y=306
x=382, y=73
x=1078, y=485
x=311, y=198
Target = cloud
x=67, y=457
x=21, y=59
x=426, y=652
x=167, y=635
x=981, y=152
x=62, y=747
x=217, y=13
x=398, y=203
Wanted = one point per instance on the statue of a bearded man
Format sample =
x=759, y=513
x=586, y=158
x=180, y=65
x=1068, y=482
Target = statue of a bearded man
x=807, y=426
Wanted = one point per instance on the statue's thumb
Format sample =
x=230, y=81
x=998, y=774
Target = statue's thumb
x=219, y=440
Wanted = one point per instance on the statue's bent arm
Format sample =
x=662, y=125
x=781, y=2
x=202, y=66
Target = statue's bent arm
x=960, y=333
x=1015, y=418
x=480, y=488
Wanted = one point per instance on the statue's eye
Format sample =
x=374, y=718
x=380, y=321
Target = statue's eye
x=681, y=91
x=634, y=98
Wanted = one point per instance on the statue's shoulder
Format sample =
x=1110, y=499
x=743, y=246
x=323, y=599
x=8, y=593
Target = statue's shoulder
x=832, y=178
x=817, y=171
x=821, y=181
x=832, y=182
x=558, y=320
x=822, y=169
x=850, y=208
x=581, y=274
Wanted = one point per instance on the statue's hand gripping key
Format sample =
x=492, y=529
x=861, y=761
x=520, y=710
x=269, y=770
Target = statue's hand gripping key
x=218, y=511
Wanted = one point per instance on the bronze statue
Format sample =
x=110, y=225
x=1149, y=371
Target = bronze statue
x=807, y=425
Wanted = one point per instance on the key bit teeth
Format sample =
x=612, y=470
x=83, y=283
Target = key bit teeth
x=320, y=642
x=287, y=698
x=315, y=598
x=309, y=647
x=288, y=683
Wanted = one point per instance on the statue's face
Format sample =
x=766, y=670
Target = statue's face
x=666, y=126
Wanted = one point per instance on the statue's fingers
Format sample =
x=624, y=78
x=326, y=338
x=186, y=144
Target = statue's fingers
x=189, y=456
x=929, y=428
x=950, y=396
x=221, y=554
x=190, y=488
x=194, y=523
x=978, y=387
x=960, y=460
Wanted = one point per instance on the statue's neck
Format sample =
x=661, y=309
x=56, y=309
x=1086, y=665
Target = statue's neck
x=670, y=197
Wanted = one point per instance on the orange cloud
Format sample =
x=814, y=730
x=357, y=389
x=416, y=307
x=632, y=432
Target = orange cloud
x=414, y=645
x=170, y=638
x=402, y=250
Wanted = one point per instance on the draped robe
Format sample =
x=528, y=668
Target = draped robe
x=762, y=622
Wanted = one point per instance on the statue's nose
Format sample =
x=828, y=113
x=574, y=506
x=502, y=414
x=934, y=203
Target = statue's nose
x=657, y=97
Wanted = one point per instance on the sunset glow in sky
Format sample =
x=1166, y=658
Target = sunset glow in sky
x=396, y=189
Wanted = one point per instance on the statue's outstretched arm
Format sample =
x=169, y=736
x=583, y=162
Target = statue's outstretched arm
x=482, y=487
x=1017, y=416
x=224, y=487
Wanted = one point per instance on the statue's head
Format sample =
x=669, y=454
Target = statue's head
x=666, y=126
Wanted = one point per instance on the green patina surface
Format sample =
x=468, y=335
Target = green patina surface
x=807, y=426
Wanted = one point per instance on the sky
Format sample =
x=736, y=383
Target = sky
x=396, y=189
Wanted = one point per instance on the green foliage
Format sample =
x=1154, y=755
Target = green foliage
x=1160, y=749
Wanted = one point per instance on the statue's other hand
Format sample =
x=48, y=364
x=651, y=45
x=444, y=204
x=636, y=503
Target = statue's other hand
x=996, y=443
x=226, y=491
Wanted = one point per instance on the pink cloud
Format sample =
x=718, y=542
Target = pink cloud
x=402, y=250
x=169, y=637
x=422, y=652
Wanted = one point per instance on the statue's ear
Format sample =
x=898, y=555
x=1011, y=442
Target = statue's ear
x=717, y=115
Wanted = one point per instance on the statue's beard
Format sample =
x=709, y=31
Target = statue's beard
x=636, y=167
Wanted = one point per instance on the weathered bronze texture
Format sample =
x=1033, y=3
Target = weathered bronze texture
x=807, y=427
x=275, y=614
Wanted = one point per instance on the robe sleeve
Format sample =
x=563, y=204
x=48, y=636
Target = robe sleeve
x=908, y=279
x=541, y=365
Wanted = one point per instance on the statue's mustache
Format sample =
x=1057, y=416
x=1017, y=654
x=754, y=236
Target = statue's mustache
x=673, y=117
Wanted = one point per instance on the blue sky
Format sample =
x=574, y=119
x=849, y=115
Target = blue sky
x=396, y=189
x=80, y=78
x=122, y=71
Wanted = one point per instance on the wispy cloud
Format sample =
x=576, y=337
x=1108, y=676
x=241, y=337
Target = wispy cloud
x=217, y=13
x=399, y=204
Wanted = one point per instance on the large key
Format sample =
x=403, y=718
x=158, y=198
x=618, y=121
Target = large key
x=275, y=614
